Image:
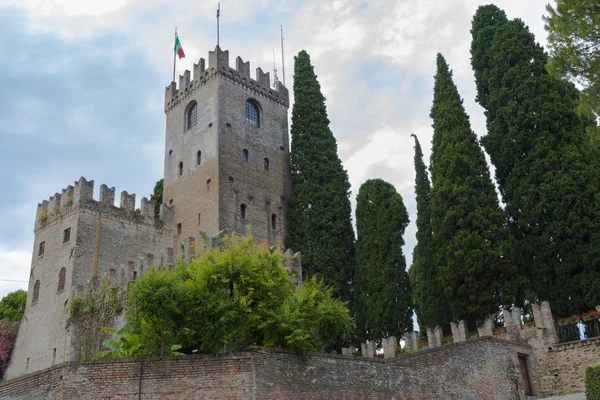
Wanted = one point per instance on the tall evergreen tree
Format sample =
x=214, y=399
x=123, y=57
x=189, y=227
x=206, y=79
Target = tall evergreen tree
x=546, y=169
x=430, y=302
x=469, y=236
x=319, y=215
x=383, y=296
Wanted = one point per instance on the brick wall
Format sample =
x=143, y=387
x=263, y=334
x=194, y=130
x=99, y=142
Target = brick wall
x=484, y=368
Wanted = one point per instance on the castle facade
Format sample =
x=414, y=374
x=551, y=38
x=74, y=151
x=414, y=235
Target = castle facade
x=226, y=169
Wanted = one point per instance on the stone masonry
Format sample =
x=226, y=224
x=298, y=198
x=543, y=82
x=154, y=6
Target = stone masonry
x=79, y=240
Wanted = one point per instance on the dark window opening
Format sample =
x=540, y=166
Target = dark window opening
x=245, y=155
x=274, y=222
x=198, y=157
x=179, y=228
x=192, y=115
x=36, y=292
x=66, y=235
x=41, y=249
x=252, y=113
x=61, y=279
x=199, y=219
x=243, y=211
x=134, y=275
x=266, y=164
x=180, y=168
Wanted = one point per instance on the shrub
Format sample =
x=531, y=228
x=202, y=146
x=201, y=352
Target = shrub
x=592, y=383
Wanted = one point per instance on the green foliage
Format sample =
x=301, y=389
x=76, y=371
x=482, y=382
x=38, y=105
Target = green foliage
x=309, y=320
x=90, y=314
x=574, y=42
x=382, y=292
x=592, y=383
x=471, y=243
x=319, y=214
x=546, y=169
x=231, y=298
x=431, y=305
x=12, y=306
x=157, y=196
x=159, y=301
x=126, y=345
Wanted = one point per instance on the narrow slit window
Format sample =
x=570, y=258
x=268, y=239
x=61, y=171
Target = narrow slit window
x=252, y=113
x=274, y=222
x=41, y=249
x=66, y=235
x=245, y=155
x=266, y=164
x=198, y=157
x=199, y=219
x=243, y=211
x=36, y=292
x=179, y=228
x=180, y=168
x=61, y=279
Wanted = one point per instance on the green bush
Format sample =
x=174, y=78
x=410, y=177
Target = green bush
x=592, y=383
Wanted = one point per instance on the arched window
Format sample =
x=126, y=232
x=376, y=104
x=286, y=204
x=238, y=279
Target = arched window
x=180, y=168
x=191, y=115
x=61, y=279
x=243, y=211
x=198, y=157
x=266, y=164
x=252, y=113
x=36, y=292
x=245, y=155
x=273, y=221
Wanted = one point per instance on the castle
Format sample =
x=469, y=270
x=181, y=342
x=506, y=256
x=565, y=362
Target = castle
x=226, y=169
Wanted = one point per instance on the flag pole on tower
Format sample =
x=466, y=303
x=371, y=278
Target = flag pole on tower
x=218, y=15
x=177, y=51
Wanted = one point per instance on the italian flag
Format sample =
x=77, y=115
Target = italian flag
x=178, y=48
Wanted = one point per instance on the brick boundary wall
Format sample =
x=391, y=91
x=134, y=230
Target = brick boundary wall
x=485, y=368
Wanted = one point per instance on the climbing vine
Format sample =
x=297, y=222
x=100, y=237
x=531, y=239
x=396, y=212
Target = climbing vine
x=99, y=308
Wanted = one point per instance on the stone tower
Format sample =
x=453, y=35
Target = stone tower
x=226, y=152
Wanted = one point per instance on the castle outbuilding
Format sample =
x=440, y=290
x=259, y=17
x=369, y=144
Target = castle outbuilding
x=226, y=169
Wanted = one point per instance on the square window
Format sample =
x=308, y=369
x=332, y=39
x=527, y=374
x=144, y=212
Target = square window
x=66, y=235
x=41, y=249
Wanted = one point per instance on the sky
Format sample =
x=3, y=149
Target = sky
x=83, y=88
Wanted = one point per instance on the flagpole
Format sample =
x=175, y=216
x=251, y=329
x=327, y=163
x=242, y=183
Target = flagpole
x=174, y=55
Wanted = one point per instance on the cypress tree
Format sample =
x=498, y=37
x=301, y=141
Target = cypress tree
x=469, y=237
x=383, y=296
x=546, y=168
x=319, y=215
x=430, y=302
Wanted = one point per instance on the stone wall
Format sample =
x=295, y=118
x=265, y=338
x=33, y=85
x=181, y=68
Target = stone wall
x=562, y=367
x=128, y=242
x=483, y=368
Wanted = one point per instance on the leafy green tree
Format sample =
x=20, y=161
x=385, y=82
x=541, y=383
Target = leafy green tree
x=157, y=197
x=383, y=296
x=546, y=170
x=160, y=306
x=319, y=215
x=12, y=306
x=431, y=305
x=469, y=237
x=574, y=41
x=232, y=297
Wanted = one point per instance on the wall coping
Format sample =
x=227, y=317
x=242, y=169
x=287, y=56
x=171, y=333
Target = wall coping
x=574, y=343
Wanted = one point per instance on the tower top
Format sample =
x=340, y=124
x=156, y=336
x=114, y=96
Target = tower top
x=218, y=65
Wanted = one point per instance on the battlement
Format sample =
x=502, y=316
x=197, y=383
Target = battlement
x=218, y=64
x=81, y=194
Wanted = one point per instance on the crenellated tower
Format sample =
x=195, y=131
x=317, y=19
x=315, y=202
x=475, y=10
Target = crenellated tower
x=227, y=152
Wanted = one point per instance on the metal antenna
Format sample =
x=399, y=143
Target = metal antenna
x=282, y=60
x=218, y=15
x=275, y=79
